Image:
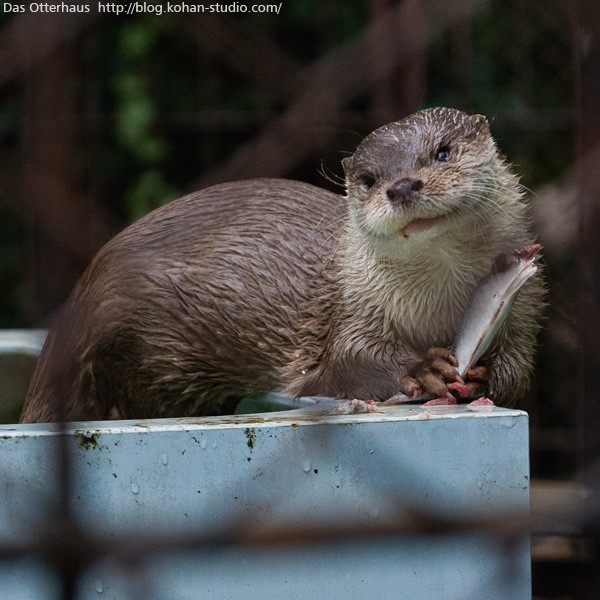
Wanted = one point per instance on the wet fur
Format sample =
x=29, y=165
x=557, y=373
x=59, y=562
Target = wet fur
x=274, y=284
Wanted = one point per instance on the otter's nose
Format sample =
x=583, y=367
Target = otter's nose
x=401, y=190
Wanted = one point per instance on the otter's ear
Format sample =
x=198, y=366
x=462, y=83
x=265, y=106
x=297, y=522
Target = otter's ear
x=347, y=164
x=481, y=124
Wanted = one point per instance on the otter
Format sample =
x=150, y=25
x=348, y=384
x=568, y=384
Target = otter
x=271, y=284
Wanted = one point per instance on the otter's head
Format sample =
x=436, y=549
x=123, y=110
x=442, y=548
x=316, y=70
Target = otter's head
x=433, y=172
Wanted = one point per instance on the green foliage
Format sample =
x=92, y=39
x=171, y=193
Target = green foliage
x=514, y=65
x=150, y=191
x=136, y=114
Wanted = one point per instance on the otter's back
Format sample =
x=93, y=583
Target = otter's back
x=191, y=304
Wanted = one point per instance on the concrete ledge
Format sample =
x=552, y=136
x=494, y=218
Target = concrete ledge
x=226, y=478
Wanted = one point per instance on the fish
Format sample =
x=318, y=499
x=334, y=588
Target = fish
x=486, y=311
x=490, y=304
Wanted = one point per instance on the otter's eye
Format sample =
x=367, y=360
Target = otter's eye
x=367, y=181
x=443, y=154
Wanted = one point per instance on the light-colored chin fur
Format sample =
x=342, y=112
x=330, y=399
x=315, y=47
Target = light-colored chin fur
x=420, y=285
x=417, y=226
x=406, y=240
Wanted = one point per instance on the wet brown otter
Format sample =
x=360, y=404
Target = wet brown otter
x=274, y=284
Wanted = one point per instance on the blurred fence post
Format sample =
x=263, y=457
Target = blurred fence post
x=589, y=246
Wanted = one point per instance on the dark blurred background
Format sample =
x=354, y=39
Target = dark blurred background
x=104, y=117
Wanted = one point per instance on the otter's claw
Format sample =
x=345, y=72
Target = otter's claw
x=432, y=375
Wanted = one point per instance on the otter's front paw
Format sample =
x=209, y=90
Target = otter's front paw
x=432, y=375
x=477, y=380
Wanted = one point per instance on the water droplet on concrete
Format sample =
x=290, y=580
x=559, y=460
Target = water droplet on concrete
x=203, y=444
x=483, y=440
x=164, y=459
x=306, y=466
x=135, y=488
x=480, y=484
x=99, y=586
x=214, y=444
